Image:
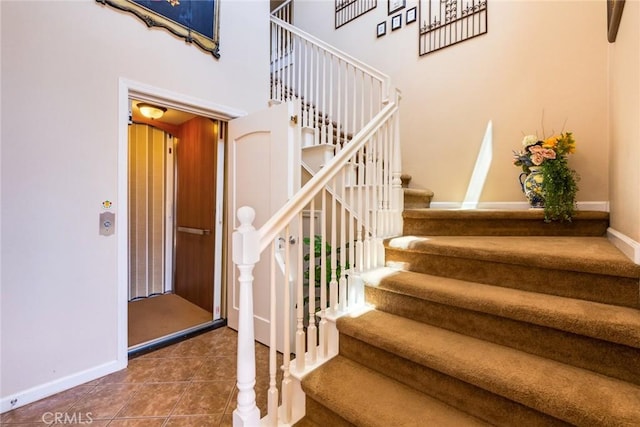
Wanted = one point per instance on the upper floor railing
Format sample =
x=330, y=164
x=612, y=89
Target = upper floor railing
x=339, y=94
x=284, y=11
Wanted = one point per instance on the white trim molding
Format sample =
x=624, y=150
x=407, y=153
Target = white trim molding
x=627, y=245
x=48, y=389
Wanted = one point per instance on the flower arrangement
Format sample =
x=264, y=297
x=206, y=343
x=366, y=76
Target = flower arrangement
x=558, y=186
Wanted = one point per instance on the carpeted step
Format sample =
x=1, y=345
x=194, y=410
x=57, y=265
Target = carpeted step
x=308, y=422
x=587, y=268
x=352, y=394
x=497, y=410
x=481, y=373
x=319, y=415
x=479, y=222
x=599, y=337
x=417, y=198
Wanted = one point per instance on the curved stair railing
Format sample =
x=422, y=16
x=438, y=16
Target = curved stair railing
x=357, y=198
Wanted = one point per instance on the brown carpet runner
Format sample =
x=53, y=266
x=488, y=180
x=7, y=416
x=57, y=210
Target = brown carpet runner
x=525, y=323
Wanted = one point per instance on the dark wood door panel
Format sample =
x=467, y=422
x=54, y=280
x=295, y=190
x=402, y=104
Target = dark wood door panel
x=195, y=211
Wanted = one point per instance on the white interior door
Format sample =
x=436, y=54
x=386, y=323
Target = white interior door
x=264, y=172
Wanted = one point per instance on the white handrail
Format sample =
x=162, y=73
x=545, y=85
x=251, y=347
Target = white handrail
x=354, y=62
x=268, y=232
x=277, y=10
x=376, y=186
x=350, y=107
x=338, y=94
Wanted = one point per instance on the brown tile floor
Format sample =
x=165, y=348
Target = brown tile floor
x=191, y=383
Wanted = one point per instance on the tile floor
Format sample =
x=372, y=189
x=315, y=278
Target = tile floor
x=191, y=383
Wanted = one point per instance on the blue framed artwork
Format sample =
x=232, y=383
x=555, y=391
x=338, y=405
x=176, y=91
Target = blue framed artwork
x=196, y=21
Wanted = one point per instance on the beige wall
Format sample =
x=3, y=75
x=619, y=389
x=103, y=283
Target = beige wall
x=624, y=115
x=538, y=56
x=61, y=65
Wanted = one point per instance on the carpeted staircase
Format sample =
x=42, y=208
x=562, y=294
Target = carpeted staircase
x=489, y=318
x=415, y=198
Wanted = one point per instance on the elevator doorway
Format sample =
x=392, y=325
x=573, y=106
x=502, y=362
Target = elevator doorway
x=175, y=225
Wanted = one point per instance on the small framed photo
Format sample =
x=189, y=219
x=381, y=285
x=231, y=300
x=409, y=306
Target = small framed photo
x=411, y=15
x=381, y=29
x=396, y=5
x=396, y=22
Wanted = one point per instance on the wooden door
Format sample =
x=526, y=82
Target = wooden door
x=196, y=153
x=264, y=172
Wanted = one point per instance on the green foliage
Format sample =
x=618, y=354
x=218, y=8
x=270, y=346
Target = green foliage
x=559, y=186
x=320, y=255
x=559, y=182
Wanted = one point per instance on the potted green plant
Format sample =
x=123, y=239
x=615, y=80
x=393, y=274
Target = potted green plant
x=546, y=179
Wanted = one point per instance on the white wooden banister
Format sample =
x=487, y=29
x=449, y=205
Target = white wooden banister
x=357, y=236
x=338, y=93
x=341, y=55
x=285, y=214
x=356, y=197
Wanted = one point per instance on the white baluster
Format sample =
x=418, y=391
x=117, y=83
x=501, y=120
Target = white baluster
x=287, y=382
x=359, y=260
x=342, y=281
x=398, y=198
x=333, y=284
x=352, y=237
x=323, y=138
x=311, y=327
x=338, y=108
x=367, y=206
x=246, y=253
x=387, y=180
x=272, y=394
x=300, y=359
x=322, y=351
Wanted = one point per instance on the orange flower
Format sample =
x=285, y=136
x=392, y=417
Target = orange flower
x=550, y=142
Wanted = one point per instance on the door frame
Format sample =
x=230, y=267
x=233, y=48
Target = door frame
x=131, y=89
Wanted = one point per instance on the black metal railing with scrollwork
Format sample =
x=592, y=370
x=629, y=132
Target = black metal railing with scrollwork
x=448, y=22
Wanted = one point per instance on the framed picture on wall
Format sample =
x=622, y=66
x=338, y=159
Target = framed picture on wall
x=396, y=22
x=381, y=29
x=411, y=15
x=196, y=21
x=395, y=5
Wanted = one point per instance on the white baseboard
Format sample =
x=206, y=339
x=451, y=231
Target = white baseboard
x=627, y=245
x=582, y=206
x=45, y=390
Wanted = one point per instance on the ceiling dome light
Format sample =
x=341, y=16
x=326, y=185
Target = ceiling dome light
x=151, y=111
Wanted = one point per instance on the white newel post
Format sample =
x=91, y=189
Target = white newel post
x=398, y=192
x=246, y=253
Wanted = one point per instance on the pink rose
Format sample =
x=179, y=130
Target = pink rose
x=548, y=153
x=537, y=158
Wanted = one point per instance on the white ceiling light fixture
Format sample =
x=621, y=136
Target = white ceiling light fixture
x=151, y=111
